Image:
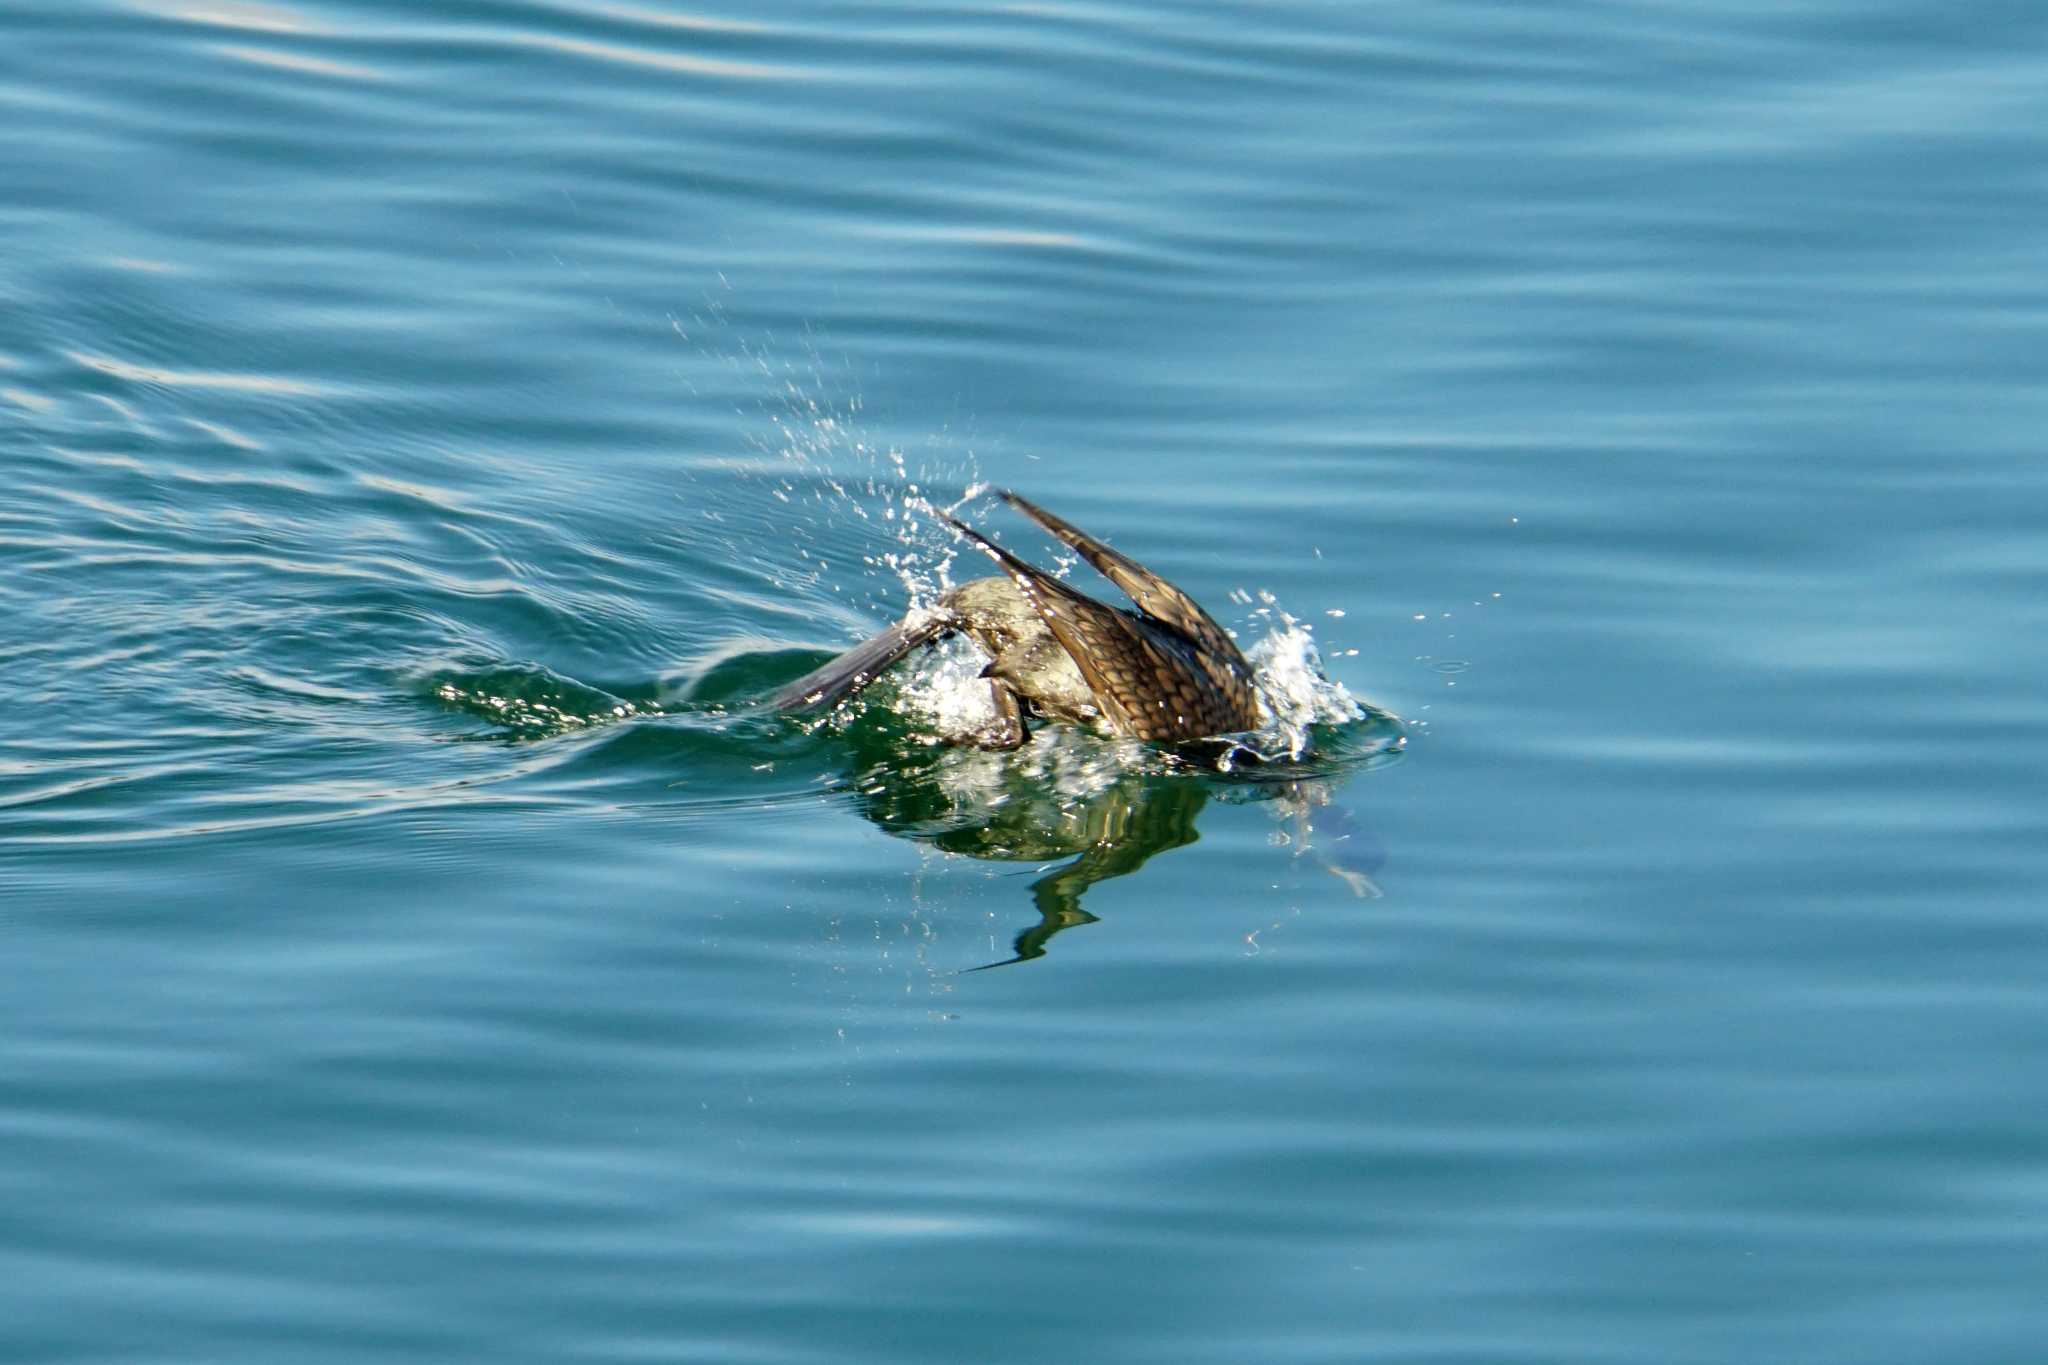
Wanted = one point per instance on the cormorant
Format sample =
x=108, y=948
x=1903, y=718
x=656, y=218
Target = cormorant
x=1165, y=672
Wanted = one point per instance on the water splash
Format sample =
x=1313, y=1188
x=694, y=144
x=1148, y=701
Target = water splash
x=856, y=490
x=944, y=697
x=856, y=506
x=1296, y=693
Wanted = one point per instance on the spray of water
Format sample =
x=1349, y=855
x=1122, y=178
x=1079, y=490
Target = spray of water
x=1296, y=694
x=844, y=486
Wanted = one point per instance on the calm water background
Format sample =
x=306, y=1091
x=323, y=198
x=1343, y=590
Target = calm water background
x=418, y=418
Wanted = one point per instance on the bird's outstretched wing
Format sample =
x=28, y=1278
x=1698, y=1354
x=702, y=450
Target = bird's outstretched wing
x=1154, y=596
x=1153, y=682
x=827, y=685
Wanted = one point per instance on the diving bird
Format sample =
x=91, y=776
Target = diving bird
x=1165, y=672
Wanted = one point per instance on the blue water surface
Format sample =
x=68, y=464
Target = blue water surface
x=426, y=427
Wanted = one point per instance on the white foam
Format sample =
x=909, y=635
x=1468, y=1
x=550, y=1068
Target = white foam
x=1295, y=693
x=944, y=693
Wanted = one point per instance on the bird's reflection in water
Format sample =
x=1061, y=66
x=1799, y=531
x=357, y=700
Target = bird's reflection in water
x=1108, y=809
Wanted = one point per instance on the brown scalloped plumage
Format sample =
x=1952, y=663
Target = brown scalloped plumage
x=1165, y=672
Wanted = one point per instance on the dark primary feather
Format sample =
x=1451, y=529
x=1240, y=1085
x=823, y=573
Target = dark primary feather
x=828, y=684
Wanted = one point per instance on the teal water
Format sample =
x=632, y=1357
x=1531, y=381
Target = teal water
x=426, y=426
